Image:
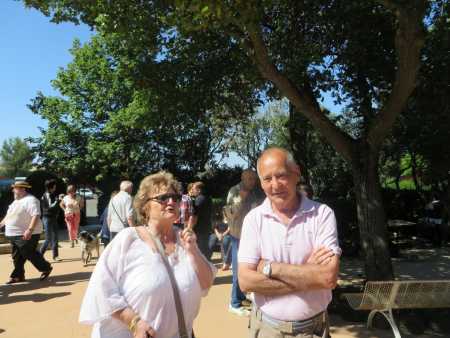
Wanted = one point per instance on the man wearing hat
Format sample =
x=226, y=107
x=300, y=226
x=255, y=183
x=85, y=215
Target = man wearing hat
x=23, y=229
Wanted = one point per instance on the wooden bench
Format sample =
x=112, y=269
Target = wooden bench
x=382, y=297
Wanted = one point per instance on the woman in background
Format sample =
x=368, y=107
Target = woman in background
x=72, y=205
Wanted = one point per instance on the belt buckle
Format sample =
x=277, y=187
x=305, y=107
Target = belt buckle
x=287, y=327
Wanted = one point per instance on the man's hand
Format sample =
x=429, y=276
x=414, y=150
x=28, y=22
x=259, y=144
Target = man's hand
x=321, y=256
x=27, y=234
x=329, y=263
x=260, y=266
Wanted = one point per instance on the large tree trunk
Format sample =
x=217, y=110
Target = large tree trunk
x=409, y=39
x=298, y=129
x=371, y=216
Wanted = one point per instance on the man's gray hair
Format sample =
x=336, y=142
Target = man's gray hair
x=290, y=161
x=126, y=185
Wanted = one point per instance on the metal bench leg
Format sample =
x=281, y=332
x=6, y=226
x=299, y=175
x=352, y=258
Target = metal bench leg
x=389, y=317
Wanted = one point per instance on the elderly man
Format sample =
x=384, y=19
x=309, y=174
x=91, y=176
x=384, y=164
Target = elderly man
x=23, y=229
x=289, y=255
x=241, y=198
x=120, y=209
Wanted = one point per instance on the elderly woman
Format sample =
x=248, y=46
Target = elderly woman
x=130, y=293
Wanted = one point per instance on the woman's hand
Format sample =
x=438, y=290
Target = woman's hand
x=143, y=330
x=189, y=240
x=200, y=263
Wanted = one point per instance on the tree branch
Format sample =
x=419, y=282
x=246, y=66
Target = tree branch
x=303, y=100
x=408, y=42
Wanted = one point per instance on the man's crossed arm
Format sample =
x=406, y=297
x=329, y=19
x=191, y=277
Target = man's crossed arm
x=319, y=272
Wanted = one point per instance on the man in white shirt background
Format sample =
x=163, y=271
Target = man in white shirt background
x=120, y=209
x=23, y=227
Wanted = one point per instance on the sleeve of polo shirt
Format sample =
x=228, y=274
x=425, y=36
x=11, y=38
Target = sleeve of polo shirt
x=249, y=246
x=34, y=207
x=231, y=195
x=129, y=207
x=327, y=230
x=110, y=211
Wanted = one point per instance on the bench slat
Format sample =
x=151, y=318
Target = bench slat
x=401, y=295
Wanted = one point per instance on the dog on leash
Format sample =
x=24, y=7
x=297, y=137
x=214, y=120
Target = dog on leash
x=88, y=242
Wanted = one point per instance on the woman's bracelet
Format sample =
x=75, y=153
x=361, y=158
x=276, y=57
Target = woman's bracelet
x=133, y=324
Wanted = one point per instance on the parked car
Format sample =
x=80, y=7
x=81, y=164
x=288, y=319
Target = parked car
x=86, y=193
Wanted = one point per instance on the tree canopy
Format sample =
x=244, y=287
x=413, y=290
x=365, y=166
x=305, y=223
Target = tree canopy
x=364, y=54
x=107, y=123
x=16, y=158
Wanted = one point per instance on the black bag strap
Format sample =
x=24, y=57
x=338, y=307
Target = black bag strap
x=176, y=294
x=125, y=224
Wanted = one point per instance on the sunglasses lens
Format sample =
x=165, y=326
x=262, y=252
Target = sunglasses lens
x=166, y=197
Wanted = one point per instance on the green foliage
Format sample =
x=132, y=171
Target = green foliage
x=258, y=132
x=110, y=125
x=16, y=158
x=228, y=54
x=418, y=145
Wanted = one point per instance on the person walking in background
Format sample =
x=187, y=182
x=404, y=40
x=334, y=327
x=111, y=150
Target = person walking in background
x=105, y=234
x=203, y=216
x=23, y=229
x=221, y=236
x=240, y=200
x=72, y=205
x=187, y=217
x=120, y=209
x=50, y=209
x=289, y=255
x=434, y=219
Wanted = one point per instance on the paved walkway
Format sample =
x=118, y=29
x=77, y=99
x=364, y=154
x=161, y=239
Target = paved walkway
x=50, y=309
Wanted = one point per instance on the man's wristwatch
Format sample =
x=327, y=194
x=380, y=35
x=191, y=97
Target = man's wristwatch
x=267, y=269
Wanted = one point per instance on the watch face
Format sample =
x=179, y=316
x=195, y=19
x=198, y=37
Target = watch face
x=266, y=269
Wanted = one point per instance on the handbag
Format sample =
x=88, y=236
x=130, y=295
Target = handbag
x=176, y=294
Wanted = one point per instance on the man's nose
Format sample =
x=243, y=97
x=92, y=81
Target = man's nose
x=275, y=183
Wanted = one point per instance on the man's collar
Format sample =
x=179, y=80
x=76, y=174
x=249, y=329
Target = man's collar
x=306, y=206
x=25, y=195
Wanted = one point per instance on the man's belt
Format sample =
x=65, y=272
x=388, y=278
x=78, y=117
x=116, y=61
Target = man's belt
x=293, y=327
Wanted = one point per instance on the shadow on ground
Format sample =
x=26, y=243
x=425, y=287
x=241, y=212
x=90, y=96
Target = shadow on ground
x=223, y=280
x=12, y=293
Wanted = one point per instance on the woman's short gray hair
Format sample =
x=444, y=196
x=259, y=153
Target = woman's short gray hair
x=150, y=186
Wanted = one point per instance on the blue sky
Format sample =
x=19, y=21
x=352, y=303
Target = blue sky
x=32, y=50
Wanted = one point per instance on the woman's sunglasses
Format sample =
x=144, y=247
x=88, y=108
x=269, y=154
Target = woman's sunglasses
x=164, y=198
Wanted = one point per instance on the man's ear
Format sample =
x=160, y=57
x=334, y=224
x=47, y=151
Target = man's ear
x=295, y=169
